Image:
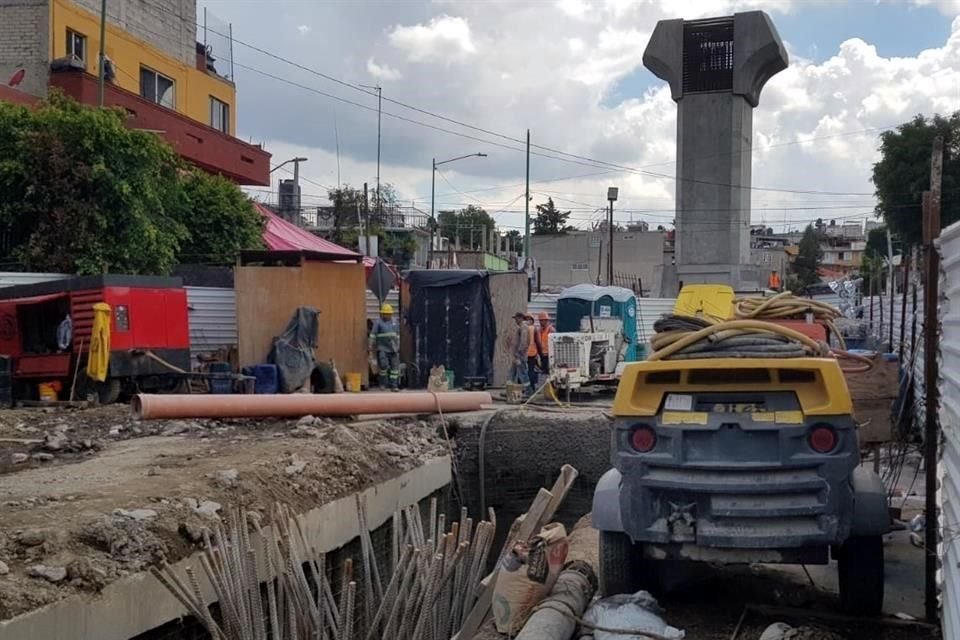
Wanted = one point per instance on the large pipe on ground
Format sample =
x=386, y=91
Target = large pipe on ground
x=555, y=618
x=148, y=406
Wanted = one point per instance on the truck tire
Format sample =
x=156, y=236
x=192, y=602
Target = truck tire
x=620, y=564
x=860, y=572
x=106, y=392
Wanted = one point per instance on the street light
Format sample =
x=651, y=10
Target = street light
x=433, y=195
x=612, y=193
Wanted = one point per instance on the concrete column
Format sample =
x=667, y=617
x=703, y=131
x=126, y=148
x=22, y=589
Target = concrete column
x=716, y=69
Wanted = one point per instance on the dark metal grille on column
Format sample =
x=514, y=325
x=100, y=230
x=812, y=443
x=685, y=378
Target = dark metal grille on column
x=708, y=55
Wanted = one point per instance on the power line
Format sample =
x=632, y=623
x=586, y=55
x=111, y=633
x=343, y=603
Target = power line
x=568, y=157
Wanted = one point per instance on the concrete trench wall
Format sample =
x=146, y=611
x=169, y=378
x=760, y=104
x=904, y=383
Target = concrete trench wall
x=523, y=452
x=139, y=607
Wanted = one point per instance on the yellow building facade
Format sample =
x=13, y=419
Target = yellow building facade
x=196, y=93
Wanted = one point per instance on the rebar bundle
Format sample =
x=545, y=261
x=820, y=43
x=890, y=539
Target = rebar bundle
x=431, y=588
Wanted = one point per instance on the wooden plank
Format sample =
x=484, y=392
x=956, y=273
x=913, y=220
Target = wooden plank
x=268, y=296
x=482, y=607
x=536, y=517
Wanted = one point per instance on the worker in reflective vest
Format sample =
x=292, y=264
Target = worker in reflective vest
x=774, y=281
x=385, y=338
x=543, y=333
x=533, y=352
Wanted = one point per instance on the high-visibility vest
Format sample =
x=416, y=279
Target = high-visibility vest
x=532, y=349
x=544, y=334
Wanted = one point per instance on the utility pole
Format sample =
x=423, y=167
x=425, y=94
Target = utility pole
x=379, y=91
x=612, y=194
x=893, y=287
x=526, y=210
x=102, y=71
x=433, y=220
x=366, y=218
x=931, y=435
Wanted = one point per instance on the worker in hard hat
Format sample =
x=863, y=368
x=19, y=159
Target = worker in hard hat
x=385, y=339
x=543, y=333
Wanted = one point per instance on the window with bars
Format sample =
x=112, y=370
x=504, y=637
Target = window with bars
x=157, y=87
x=708, y=55
x=219, y=115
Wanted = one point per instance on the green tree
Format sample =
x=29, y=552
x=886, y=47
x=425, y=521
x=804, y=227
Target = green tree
x=550, y=219
x=82, y=193
x=467, y=225
x=808, y=258
x=347, y=205
x=219, y=219
x=514, y=241
x=903, y=174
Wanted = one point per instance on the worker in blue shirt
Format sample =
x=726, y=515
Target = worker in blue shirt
x=385, y=338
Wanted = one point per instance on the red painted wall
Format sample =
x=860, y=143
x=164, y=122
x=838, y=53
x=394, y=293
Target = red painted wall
x=201, y=145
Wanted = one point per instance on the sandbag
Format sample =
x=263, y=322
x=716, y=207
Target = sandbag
x=294, y=350
x=526, y=576
x=635, y=612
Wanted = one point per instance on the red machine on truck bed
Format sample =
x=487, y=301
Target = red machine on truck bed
x=149, y=333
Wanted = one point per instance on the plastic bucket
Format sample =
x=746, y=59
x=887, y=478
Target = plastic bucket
x=48, y=391
x=352, y=382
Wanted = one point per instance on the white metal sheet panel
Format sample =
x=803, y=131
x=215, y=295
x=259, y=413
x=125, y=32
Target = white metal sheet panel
x=13, y=278
x=949, y=464
x=373, y=305
x=213, y=319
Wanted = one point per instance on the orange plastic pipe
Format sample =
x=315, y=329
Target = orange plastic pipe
x=149, y=406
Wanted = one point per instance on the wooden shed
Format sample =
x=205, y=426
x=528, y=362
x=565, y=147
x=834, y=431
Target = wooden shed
x=270, y=285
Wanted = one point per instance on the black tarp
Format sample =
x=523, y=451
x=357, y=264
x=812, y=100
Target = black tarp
x=451, y=322
x=293, y=350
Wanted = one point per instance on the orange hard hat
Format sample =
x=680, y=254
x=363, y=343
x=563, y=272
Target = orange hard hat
x=543, y=316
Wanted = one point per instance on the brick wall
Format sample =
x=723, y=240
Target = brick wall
x=168, y=25
x=24, y=43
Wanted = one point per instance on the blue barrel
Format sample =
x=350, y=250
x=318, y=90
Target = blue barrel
x=221, y=380
x=267, y=378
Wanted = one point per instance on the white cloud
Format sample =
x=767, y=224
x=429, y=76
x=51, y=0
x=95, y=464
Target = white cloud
x=575, y=8
x=304, y=29
x=946, y=7
x=382, y=71
x=579, y=84
x=445, y=38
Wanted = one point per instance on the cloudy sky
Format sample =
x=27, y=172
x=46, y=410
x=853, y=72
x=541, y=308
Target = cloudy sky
x=571, y=71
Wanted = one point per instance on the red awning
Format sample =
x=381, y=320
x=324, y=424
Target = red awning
x=280, y=235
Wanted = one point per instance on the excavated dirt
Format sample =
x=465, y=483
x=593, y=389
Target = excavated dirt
x=89, y=496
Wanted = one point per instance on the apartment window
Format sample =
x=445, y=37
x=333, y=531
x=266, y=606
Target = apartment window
x=219, y=115
x=840, y=256
x=156, y=87
x=77, y=45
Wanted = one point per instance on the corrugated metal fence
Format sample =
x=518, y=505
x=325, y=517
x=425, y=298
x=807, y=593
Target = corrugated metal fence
x=213, y=319
x=949, y=471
